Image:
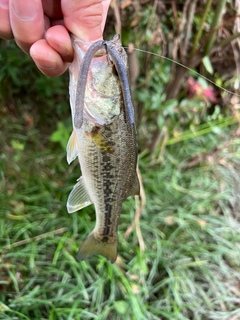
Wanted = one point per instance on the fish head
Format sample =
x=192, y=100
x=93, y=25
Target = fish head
x=102, y=100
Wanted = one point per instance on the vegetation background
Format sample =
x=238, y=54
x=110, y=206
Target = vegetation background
x=179, y=243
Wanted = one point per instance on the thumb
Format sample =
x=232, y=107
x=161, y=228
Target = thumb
x=85, y=19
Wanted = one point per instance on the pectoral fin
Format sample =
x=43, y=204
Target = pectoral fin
x=72, y=148
x=78, y=197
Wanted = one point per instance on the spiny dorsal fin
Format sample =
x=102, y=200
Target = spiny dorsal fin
x=78, y=197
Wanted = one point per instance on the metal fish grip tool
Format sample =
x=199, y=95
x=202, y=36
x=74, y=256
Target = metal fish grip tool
x=99, y=48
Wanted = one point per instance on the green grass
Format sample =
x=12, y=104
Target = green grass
x=185, y=266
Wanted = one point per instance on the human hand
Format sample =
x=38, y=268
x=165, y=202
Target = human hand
x=40, y=28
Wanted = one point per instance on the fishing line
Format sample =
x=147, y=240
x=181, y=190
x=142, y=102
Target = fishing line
x=189, y=69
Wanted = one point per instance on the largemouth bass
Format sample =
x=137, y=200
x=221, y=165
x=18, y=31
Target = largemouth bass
x=103, y=139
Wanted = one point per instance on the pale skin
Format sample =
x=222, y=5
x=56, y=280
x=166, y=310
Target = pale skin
x=41, y=28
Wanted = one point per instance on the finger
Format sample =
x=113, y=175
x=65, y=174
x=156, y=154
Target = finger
x=5, y=26
x=27, y=21
x=58, y=38
x=48, y=61
x=106, y=4
x=83, y=18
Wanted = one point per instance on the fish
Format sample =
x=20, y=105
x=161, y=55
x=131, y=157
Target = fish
x=104, y=139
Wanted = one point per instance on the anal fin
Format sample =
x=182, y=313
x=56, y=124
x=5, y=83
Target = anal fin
x=78, y=197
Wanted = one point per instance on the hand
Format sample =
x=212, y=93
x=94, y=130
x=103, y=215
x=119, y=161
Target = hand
x=40, y=28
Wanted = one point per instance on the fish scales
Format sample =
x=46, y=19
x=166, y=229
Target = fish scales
x=106, y=146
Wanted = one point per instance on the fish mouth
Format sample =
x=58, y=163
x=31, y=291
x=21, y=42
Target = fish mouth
x=97, y=49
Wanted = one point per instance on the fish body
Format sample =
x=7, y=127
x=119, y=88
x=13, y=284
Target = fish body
x=106, y=146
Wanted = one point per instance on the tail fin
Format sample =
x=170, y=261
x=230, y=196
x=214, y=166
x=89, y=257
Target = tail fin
x=91, y=246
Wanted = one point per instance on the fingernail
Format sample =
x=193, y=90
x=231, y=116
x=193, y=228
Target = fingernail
x=4, y=4
x=26, y=12
x=63, y=51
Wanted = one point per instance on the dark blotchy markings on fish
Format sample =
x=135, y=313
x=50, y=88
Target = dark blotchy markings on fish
x=106, y=145
x=107, y=177
x=101, y=140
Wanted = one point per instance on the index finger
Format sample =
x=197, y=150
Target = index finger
x=27, y=22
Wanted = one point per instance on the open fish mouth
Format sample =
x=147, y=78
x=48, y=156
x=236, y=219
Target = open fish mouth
x=108, y=48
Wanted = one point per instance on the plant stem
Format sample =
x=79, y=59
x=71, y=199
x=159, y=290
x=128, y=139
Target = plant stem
x=226, y=41
x=189, y=134
x=214, y=26
x=200, y=30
